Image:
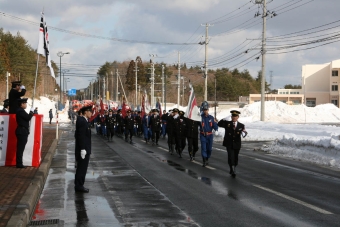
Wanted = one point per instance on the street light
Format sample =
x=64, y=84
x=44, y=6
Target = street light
x=60, y=54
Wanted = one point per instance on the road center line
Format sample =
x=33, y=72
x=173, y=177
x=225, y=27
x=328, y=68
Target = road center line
x=294, y=200
x=208, y=167
x=163, y=149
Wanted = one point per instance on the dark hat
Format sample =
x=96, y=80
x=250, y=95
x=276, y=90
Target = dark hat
x=128, y=111
x=181, y=112
x=6, y=101
x=110, y=110
x=16, y=82
x=86, y=108
x=205, y=106
x=139, y=112
x=119, y=110
x=24, y=100
x=155, y=110
x=235, y=113
x=175, y=110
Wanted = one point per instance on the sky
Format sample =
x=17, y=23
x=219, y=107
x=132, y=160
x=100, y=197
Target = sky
x=150, y=26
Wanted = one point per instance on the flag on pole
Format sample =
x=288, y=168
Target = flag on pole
x=43, y=45
x=192, y=111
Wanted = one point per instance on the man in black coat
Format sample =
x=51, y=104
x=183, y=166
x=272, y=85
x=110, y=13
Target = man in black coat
x=120, y=123
x=110, y=125
x=6, y=105
x=192, y=137
x=129, y=123
x=170, y=130
x=232, y=139
x=164, y=122
x=155, y=126
x=180, y=132
x=138, y=122
x=14, y=95
x=22, y=131
x=83, y=148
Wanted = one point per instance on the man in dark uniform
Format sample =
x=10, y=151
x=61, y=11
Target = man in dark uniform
x=146, y=127
x=120, y=123
x=22, y=131
x=110, y=125
x=170, y=130
x=6, y=105
x=129, y=123
x=14, y=95
x=138, y=120
x=164, y=121
x=83, y=151
x=180, y=132
x=155, y=126
x=192, y=137
x=232, y=139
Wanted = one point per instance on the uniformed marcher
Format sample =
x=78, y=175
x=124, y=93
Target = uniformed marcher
x=23, y=120
x=14, y=95
x=170, y=130
x=83, y=151
x=129, y=123
x=179, y=132
x=155, y=126
x=138, y=124
x=6, y=106
x=232, y=139
x=192, y=137
x=110, y=125
x=120, y=123
x=146, y=127
x=207, y=126
x=164, y=122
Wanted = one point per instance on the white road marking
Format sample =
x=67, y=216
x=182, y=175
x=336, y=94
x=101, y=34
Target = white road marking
x=219, y=149
x=294, y=200
x=208, y=167
x=163, y=149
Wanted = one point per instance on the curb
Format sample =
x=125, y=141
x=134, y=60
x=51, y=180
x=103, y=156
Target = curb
x=24, y=210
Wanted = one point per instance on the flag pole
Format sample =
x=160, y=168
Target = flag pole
x=35, y=80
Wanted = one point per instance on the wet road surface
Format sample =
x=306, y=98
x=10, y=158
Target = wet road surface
x=143, y=185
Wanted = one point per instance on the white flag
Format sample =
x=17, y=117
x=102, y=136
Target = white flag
x=192, y=111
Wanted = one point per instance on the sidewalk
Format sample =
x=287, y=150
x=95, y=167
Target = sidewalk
x=21, y=188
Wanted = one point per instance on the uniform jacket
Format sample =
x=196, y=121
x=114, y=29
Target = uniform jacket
x=192, y=128
x=232, y=138
x=138, y=120
x=119, y=119
x=164, y=118
x=13, y=97
x=170, y=124
x=50, y=114
x=155, y=123
x=146, y=121
x=83, y=135
x=129, y=122
x=23, y=120
x=207, y=125
x=179, y=126
x=110, y=121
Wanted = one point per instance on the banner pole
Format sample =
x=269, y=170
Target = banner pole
x=35, y=81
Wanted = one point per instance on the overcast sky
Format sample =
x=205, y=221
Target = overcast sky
x=234, y=30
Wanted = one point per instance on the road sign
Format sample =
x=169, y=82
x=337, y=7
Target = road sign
x=72, y=92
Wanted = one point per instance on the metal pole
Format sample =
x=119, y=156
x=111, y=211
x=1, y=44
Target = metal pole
x=263, y=79
x=178, y=79
x=60, y=79
x=152, y=83
x=117, y=85
x=136, y=82
x=163, y=86
x=215, y=97
x=104, y=90
x=164, y=92
x=206, y=64
x=7, y=75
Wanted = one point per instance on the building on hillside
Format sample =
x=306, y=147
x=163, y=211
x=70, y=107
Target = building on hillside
x=320, y=85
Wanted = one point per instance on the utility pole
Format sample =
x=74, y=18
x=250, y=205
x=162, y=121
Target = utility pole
x=178, y=79
x=206, y=42
x=7, y=75
x=163, y=85
x=104, y=89
x=152, y=80
x=117, y=75
x=98, y=86
x=271, y=80
x=136, y=70
x=164, y=89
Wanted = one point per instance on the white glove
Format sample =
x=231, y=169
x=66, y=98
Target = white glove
x=32, y=110
x=83, y=153
x=176, y=116
x=22, y=87
x=216, y=133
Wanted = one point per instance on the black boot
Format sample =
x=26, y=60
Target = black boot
x=172, y=149
x=233, y=174
x=204, y=163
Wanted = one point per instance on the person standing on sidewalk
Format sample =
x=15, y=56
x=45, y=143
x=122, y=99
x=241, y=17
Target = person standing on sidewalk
x=50, y=114
x=232, y=139
x=206, y=135
x=22, y=131
x=83, y=151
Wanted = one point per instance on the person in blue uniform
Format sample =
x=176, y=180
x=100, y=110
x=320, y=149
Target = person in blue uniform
x=146, y=127
x=15, y=93
x=129, y=124
x=22, y=131
x=232, y=139
x=207, y=126
x=83, y=150
x=155, y=126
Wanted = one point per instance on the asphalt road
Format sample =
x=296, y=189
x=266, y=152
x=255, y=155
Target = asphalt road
x=144, y=185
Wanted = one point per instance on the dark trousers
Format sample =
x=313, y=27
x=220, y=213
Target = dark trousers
x=192, y=146
x=155, y=136
x=180, y=144
x=127, y=132
x=50, y=120
x=21, y=143
x=110, y=132
x=82, y=165
x=232, y=156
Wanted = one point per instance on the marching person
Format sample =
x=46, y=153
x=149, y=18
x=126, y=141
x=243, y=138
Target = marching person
x=50, y=114
x=206, y=135
x=145, y=122
x=120, y=122
x=14, y=95
x=170, y=130
x=129, y=123
x=138, y=120
x=110, y=125
x=164, y=121
x=22, y=131
x=192, y=137
x=83, y=151
x=6, y=106
x=179, y=131
x=232, y=139
x=155, y=126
